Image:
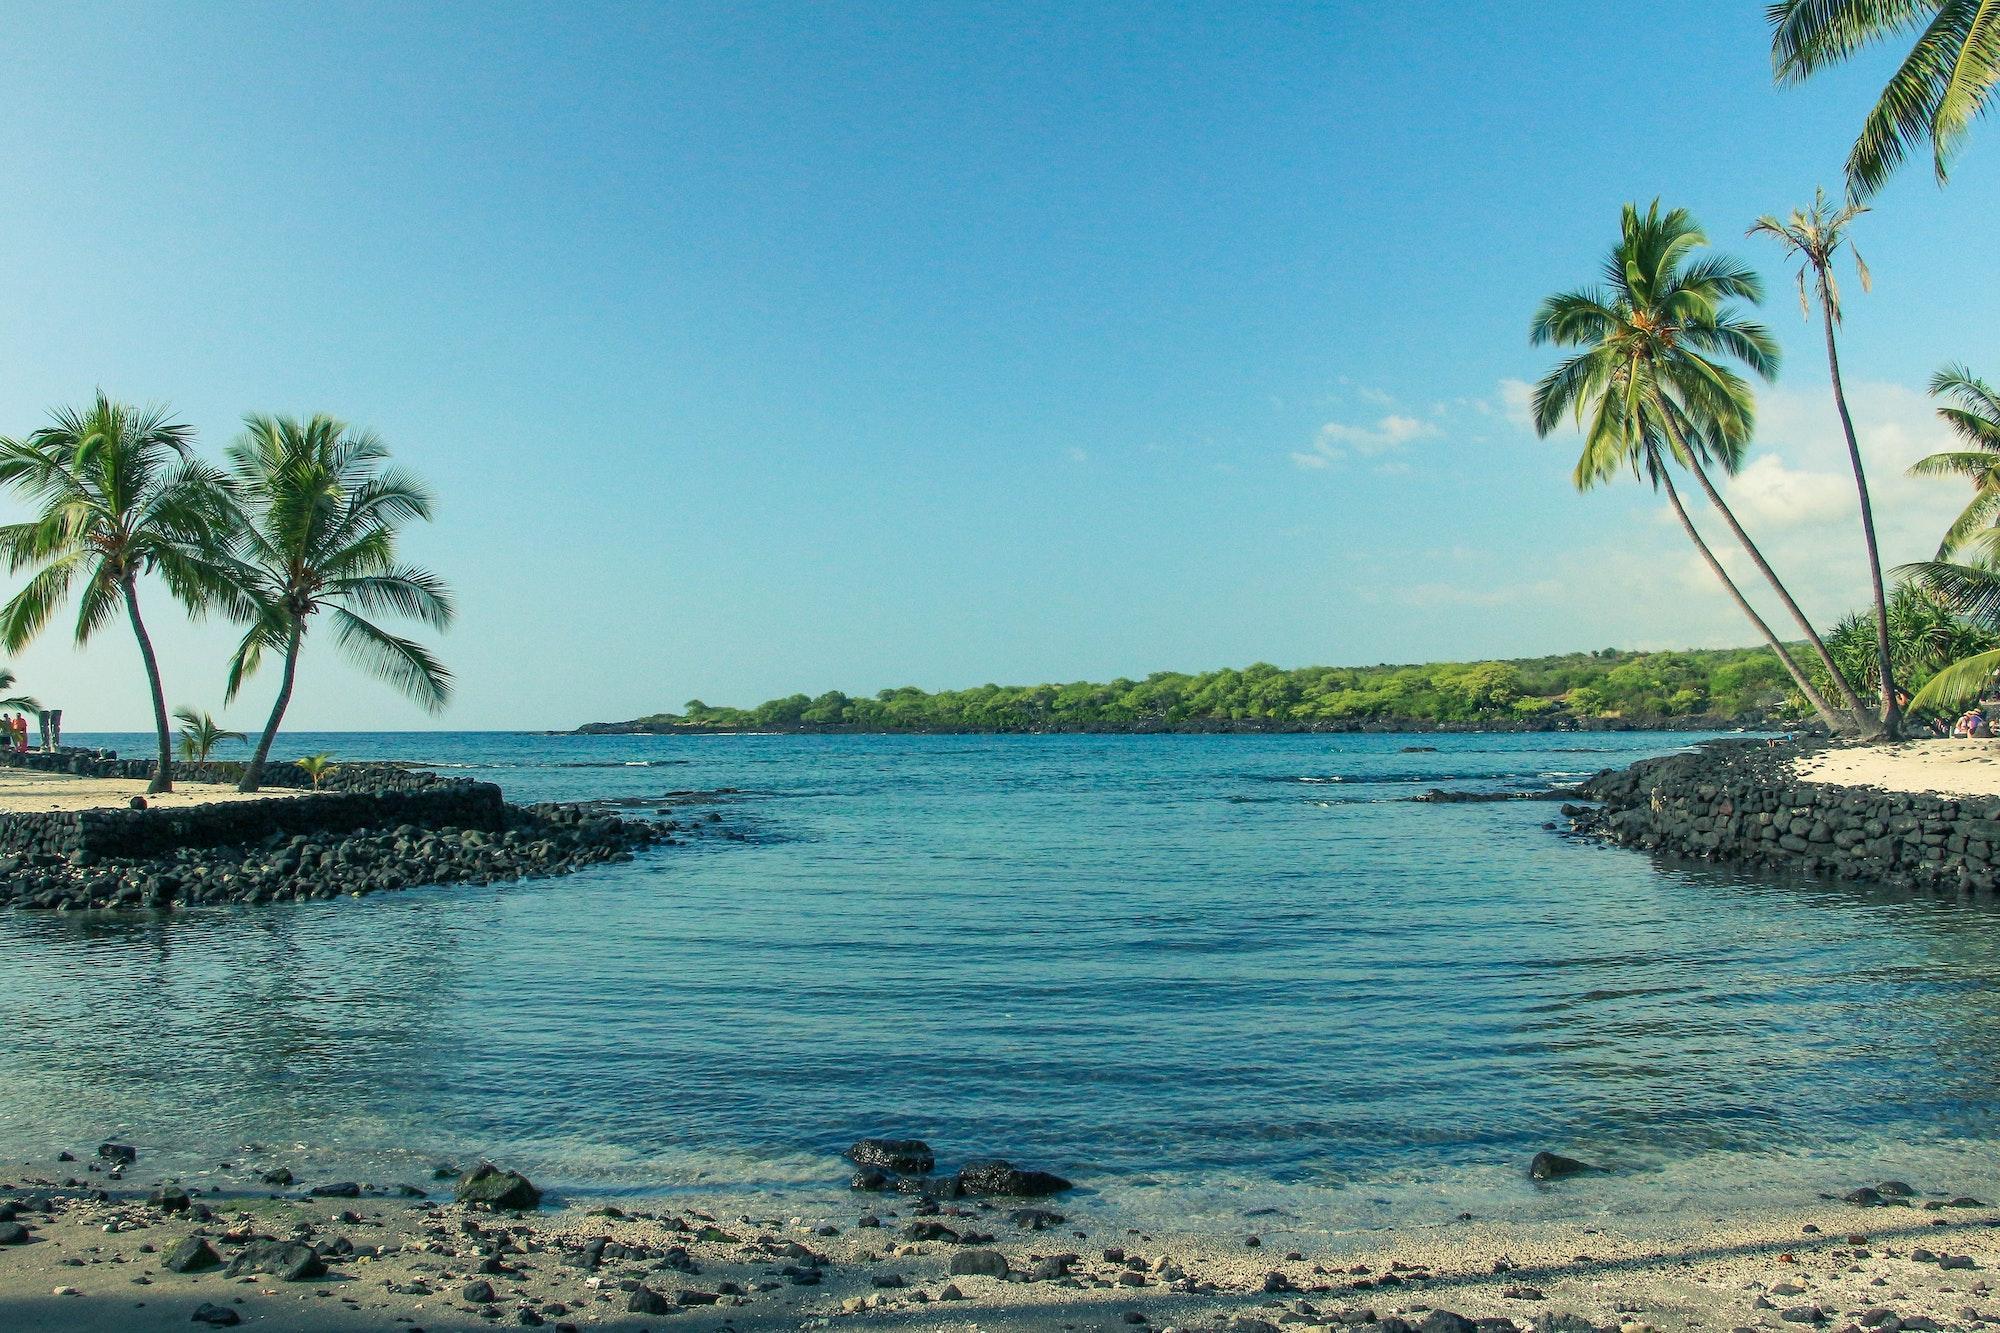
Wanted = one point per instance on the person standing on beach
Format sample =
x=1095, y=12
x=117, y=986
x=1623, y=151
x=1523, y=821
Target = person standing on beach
x=21, y=733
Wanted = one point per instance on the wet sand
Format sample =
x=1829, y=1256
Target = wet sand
x=95, y=1266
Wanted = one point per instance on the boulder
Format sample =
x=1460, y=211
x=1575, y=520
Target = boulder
x=288, y=1261
x=170, y=1199
x=999, y=1177
x=644, y=1300
x=1554, y=1166
x=13, y=1233
x=979, y=1263
x=215, y=1316
x=905, y=1156
x=122, y=1154
x=192, y=1255
x=488, y=1184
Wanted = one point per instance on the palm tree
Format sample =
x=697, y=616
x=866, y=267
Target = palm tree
x=1653, y=383
x=23, y=703
x=1940, y=88
x=318, y=767
x=200, y=734
x=1814, y=235
x=319, y=519
x=1966, y=571
x=1973, y=414
x=120, y=495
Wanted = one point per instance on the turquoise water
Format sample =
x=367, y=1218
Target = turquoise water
x=1200, y=975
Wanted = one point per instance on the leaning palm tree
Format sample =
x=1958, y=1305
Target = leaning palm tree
x=320, y=514
x=1973, y=413
x=119, y=496
x=200, y=734
x=24, y=703
x=1814, y=235
x=1654, y=386
x=1938, y=90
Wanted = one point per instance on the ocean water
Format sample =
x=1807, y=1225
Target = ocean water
x=1204, y=976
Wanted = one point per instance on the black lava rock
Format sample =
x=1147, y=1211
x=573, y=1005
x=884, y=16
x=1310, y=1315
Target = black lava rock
x=979, y=1263
x=998, y=1177
x=1554, y=1166
x=645, y=1300
x=192, y=1255
x=488, y=1184
x=288, y=1261
x=905, y=1156
x=215, y=1316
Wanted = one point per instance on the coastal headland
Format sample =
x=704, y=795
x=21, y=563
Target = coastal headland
x=1921, y=814
x=76, y=833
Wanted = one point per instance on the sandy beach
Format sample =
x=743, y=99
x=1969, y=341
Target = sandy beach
x=98, y=1265
x=1951, y=767
x=26, y=791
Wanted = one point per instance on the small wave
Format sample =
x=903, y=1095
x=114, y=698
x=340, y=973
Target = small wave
x=622, y=763
x=1390, y=779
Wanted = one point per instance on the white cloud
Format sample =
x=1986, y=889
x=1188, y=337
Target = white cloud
x=1338, y=439
x=1076, y=455
x=1391, y=432
x=1517, y=403
x=1768, y=493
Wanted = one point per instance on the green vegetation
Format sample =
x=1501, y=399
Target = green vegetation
x=320, y=517
x=1652, y=385
x=1940, y=88
x=20, y=703
x=318, y=767
x=305, y=520
x=200, y=734
x=1738, y=684
x=1813, y=236
x=120, y=495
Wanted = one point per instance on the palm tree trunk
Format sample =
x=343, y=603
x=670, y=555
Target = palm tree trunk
x=1792, y=669
x=1892, y=710
x=163, y=780
x=254, y=774
x=1847, y=694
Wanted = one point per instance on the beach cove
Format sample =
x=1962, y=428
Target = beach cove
x=935, y=936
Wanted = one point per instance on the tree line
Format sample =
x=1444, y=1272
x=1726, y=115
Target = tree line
x=298, y=527
x=1736, y=684
x=1662, y=355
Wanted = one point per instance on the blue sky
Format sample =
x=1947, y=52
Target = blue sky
x=761, y=348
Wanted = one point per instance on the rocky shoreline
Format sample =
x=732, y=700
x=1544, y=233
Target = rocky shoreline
x=96, y=1246
x=1740, y=803
x=385, y=828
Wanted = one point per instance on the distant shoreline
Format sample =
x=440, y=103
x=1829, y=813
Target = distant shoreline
x=1201, y=727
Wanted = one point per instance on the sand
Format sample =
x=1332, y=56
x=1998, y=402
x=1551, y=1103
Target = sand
x=1947, y=767
x=94, y=1267
x=24, y=791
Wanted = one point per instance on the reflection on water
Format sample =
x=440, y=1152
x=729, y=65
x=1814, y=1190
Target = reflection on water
x=1086, y=952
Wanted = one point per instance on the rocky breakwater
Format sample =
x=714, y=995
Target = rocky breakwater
x=368, y=842
x=1741, y=803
